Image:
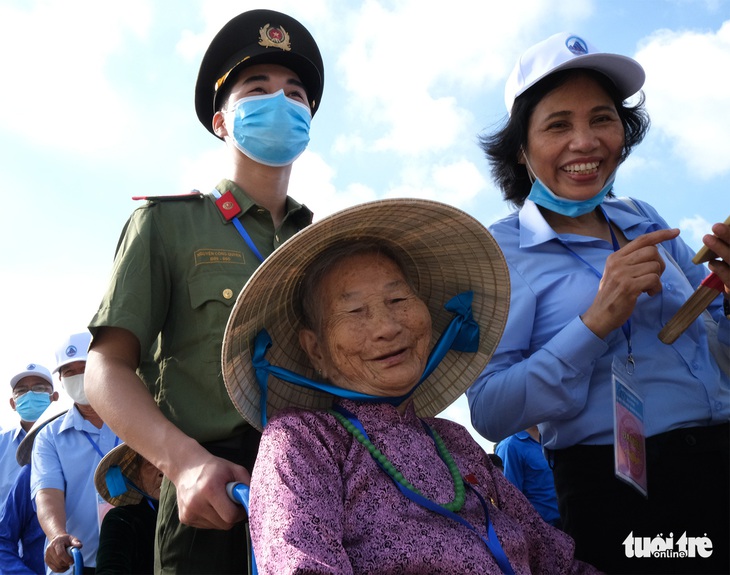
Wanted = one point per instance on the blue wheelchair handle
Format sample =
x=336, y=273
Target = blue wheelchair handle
x=75, y=553
x=238, y=492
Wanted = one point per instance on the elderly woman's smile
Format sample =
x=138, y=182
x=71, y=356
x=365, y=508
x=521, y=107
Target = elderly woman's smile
x=373, y=331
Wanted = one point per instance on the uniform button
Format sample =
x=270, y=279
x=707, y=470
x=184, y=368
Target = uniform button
x=718, y=405
x=690, y=440
x=668, y=287
x=228, y=293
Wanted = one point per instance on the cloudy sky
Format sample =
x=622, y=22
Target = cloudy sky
x=96, y=106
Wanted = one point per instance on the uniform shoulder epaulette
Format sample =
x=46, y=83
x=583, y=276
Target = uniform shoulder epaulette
x=192, y=195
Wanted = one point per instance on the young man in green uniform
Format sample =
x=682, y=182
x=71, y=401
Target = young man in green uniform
x=179, y=266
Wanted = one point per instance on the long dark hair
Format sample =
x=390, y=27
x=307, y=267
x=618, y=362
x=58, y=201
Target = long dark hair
x=503, y=147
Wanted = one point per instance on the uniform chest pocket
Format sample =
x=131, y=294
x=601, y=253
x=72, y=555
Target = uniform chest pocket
x=214, y=287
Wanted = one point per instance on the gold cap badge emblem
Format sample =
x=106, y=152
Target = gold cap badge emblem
x=271, y=37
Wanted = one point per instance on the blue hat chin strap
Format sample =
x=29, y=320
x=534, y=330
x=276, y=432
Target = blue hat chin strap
x=462, y=334
x=117, y=483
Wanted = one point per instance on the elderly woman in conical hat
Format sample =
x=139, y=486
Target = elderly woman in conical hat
x=343, y=347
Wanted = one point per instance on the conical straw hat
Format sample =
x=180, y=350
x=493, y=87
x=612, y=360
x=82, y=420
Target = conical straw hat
x=446, y=252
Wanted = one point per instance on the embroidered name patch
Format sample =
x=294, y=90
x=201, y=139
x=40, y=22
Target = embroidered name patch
x=213, y=256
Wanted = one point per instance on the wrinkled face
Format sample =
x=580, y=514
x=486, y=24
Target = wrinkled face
x=575, y=138
x=375, y=331
x=150, y=479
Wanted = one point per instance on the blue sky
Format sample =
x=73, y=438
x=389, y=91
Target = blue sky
x=97, y=107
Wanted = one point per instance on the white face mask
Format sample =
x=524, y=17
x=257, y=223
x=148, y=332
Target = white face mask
x=74, y=386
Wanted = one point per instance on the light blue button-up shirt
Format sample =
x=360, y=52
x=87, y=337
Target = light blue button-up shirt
x=64, y=458
x=550, y=369
x=9, y=469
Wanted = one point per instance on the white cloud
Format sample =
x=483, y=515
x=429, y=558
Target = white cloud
x=345, y=143
x=421, y=124
x=312, y=184
x=191, y=46
x=456, y=183
x=56, y=89
x=216, y=13
x=42, y=307
x=693, y=230
x=688, y=94
x=406, y=68
x=459, y=181
x=203, y=172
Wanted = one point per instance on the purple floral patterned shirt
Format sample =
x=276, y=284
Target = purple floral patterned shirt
x=320, y=503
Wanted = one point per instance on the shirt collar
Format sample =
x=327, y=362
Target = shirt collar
x=523, y=435
x=19, y=433
x=74, y=420
x=300, y=213
x=534, y=230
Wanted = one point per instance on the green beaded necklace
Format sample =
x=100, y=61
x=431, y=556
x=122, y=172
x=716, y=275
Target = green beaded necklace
x=459, y=490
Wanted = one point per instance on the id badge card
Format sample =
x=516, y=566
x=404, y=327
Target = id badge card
x=629, y=442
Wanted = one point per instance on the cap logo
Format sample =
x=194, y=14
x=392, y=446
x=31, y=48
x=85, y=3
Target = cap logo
x=30, y=367
x=71, y=351
x=274, y=37
x=576, y=46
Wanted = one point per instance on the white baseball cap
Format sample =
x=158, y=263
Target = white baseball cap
x=32, y=369
x=564, y=51
x=74, y=348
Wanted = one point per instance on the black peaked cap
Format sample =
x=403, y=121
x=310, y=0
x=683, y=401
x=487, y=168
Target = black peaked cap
x=257, y=37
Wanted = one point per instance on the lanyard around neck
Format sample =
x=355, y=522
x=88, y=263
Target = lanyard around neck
x=230, y=209
x=95, y=445
x=490, y=540
x=626, y=327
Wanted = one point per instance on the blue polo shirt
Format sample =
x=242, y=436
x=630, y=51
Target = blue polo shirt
x=528, y=470
x=65, y=455
x=19, y=524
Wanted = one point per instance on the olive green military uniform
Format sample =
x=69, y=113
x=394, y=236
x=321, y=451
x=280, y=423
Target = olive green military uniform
x=178, y=269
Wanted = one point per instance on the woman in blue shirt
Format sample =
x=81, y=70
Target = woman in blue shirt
x=594, y=278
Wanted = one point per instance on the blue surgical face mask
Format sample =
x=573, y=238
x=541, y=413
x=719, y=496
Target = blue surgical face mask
x=543, y=196
x=272, y=129
x=32, y=404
